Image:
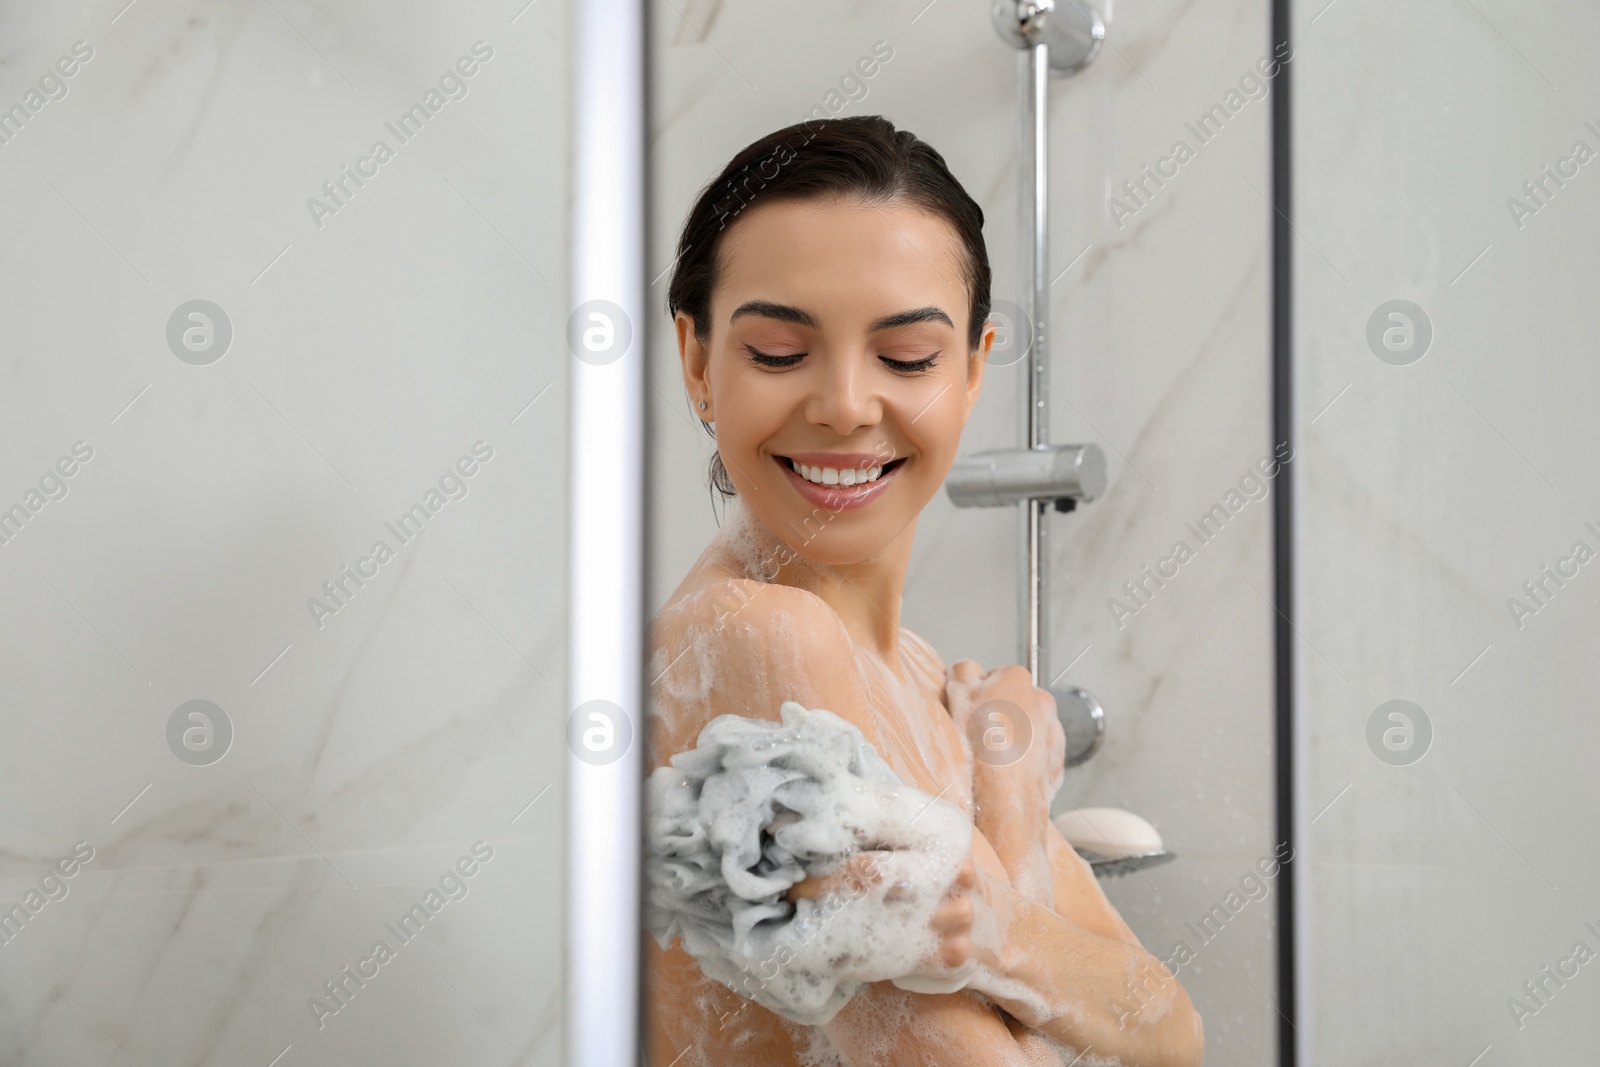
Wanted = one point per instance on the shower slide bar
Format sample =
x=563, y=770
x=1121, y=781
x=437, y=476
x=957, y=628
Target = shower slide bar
x=1061, y=37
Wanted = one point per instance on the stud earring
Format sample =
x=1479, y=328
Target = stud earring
x=702, y=405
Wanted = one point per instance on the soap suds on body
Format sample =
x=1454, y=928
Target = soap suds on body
x=755, y=807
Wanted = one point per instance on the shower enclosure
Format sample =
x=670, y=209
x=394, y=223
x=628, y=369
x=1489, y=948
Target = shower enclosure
x=1314, y=271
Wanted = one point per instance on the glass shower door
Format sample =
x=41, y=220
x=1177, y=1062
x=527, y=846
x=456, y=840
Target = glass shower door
x=282, y=427
x=1447, y=200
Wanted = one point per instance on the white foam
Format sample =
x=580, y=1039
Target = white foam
x=755, y=807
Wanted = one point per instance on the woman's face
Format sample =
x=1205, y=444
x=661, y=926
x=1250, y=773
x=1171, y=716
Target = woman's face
x=837, y=370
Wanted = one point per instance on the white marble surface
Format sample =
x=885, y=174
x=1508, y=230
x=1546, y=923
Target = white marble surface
x=1161, y=344
x=1431, y=493
x=368, y=354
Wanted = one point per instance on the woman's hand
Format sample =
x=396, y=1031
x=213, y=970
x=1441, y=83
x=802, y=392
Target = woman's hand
x=952, y=920
x=859, y=871
x=1017, y=741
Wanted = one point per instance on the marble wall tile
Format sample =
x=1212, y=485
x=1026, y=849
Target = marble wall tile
x=372, y=347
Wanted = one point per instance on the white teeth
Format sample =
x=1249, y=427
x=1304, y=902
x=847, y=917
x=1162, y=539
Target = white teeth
x=838, y=476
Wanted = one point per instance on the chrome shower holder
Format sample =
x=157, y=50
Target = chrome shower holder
x=1059, y=37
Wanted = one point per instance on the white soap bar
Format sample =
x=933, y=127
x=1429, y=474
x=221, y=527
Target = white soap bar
x=1109, y=832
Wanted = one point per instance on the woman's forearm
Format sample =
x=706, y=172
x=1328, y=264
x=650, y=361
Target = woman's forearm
x=1085, y=990
x=949, y=1029
x=1016, y=821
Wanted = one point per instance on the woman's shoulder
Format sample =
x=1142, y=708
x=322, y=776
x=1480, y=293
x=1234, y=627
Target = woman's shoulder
x=757, y=611
x=738, y=646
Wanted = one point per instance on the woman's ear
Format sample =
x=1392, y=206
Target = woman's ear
x=976, y=363
x=696, y=365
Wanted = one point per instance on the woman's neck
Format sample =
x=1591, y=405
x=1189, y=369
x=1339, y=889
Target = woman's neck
x=866, y=595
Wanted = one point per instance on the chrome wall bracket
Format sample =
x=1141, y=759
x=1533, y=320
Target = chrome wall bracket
x=1071, y=29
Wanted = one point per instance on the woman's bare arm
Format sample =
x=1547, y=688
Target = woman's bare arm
x=1073, y=969
x=1088, y=990
x=883, y=1026
x=1076, y=973
x=1018, y=825
x=1078, y=896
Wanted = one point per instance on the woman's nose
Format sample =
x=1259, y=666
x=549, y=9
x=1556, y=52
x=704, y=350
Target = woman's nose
x=845, y=399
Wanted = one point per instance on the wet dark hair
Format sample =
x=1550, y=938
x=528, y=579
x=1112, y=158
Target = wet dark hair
x=861, y=157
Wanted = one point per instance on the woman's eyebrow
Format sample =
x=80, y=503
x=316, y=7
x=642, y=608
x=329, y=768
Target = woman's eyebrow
x=907, y=318
x=801, y=317
x=768, y=310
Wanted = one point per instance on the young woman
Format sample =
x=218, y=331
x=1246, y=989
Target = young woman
x=830, y=295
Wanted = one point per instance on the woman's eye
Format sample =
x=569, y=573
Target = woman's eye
x=911, y=366
x=766, y=360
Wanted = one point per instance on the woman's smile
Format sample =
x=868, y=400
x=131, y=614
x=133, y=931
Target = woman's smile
x=839, y=481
